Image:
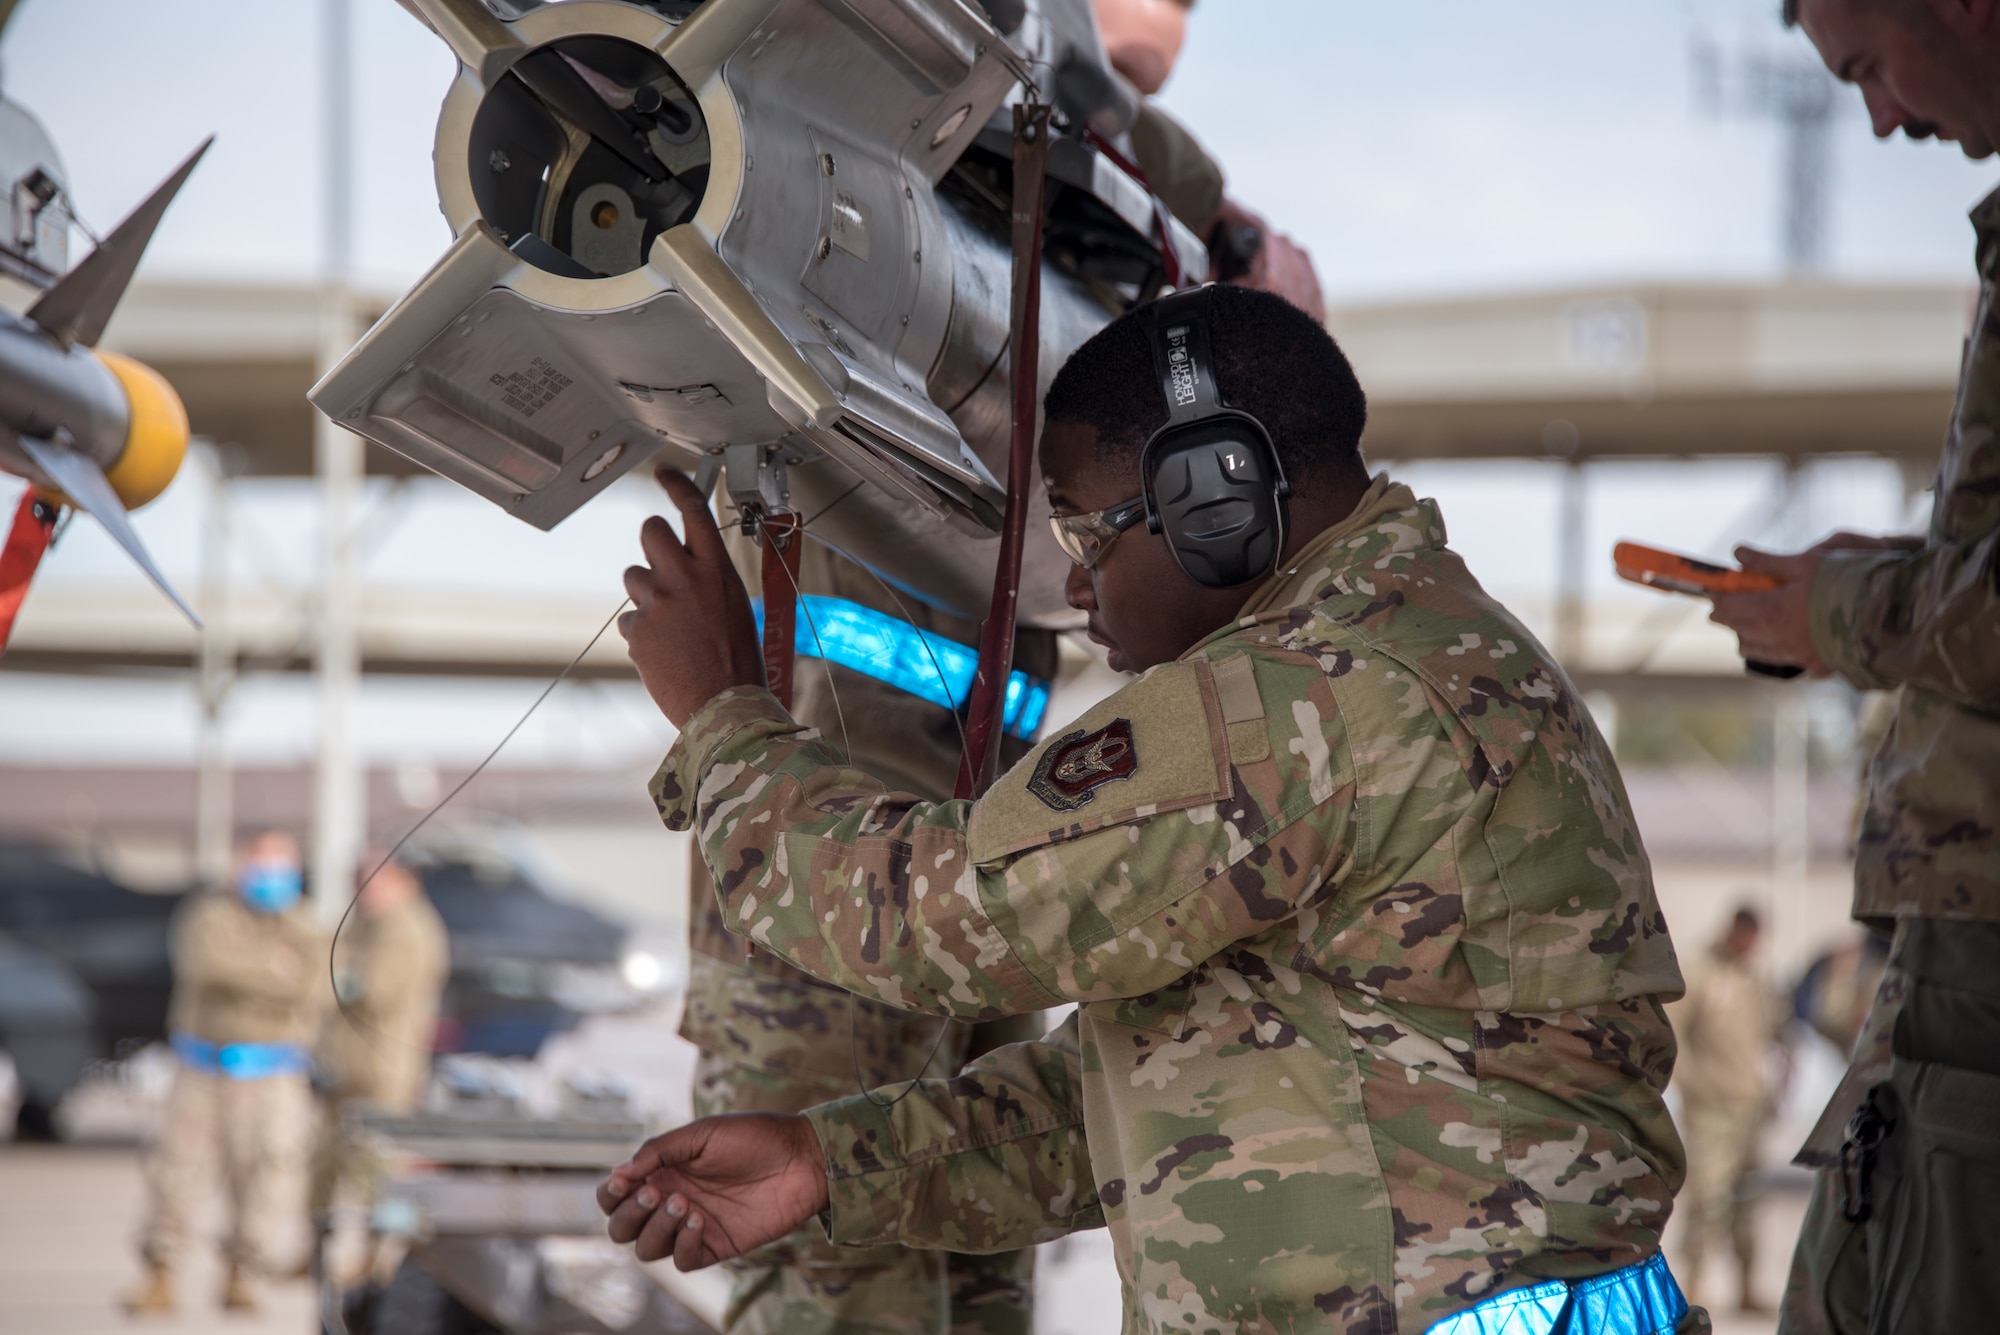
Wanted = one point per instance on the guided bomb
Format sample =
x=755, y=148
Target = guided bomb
x=769, y=237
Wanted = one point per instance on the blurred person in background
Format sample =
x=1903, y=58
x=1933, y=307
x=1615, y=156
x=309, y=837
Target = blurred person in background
x=1143, y=39
x=1833, y=997
x=1903, y=1233
x=247, y=961
x=1725, y=1025
x=390, y=965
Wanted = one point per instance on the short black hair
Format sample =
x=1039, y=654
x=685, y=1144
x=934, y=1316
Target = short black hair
x=1272, y=360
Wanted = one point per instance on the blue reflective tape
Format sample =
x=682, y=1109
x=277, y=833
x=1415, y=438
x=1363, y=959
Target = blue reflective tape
x=241, y=1061
x=925, y=664
x=1640, y=1299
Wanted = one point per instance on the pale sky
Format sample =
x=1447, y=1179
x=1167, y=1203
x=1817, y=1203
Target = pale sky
x=1444, y=146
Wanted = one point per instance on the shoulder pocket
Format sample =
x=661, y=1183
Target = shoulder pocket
x=1158, y=745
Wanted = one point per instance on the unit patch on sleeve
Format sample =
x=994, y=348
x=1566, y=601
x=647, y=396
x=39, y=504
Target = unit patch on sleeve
x=1075, y=766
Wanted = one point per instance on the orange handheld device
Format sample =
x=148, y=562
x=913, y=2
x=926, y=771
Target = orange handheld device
x=1673, y=573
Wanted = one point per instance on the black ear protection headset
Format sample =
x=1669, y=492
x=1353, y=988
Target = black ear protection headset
x=1213, y=484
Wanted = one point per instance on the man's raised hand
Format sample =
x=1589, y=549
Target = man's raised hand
x=690, y=632
x=717, y=1188
x=1775, y=627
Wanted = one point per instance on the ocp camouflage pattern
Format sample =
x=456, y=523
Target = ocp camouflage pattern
x=1928, y=620
x=773, y=1039
x=1369, y=966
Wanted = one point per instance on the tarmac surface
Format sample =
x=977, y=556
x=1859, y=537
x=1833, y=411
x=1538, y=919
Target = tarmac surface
x=66, y=1252
x=69, y=1214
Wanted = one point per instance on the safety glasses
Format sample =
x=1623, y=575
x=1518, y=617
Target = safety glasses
x=1085, y=538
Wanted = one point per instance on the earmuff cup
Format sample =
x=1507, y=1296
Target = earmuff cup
x=1214, y=486
x=1211, y=493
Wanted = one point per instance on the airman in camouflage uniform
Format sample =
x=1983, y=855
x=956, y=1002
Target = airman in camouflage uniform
x=1369, y=968
x=774, y=1039
x=1905, y=1221
x=1364, y=937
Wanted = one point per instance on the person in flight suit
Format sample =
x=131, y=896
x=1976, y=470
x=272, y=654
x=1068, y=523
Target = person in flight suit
x=1143, y=39
x=1369, y=970
x=247, y=961
x=390, y=967
x=1726, y=1025
x=1903, y=1231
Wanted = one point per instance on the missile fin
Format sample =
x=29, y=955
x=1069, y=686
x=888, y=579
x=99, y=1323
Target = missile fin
x=78, y=307
x=86, y=486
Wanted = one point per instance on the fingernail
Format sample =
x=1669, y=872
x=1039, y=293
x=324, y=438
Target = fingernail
x=616, y=1186
x=648, y=1198
x=694, y=1224
x=676, y=1206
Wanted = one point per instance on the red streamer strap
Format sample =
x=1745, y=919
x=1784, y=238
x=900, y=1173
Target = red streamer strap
x=986, y=712
x=782, y=546
x=27, y=540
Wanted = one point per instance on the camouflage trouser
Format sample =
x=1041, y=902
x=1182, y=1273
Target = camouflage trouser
x=772, y=1043
x=1927, y=1257
x=1716, y=1199
x=339, y=1161
x=259, y=1128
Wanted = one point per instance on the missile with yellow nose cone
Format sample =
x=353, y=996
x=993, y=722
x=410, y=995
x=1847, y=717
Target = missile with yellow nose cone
x=89, y=429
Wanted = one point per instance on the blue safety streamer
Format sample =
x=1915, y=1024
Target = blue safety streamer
x=241, y=1061
x=1640, y=1299
x=893, y=651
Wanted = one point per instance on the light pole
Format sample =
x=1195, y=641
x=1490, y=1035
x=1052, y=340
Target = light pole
x=339, y=791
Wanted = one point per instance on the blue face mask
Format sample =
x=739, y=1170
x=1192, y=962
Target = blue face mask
x=270, y=887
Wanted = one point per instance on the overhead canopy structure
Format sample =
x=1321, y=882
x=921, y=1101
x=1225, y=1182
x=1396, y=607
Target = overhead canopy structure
x=1662, y=370
x=1791, y=369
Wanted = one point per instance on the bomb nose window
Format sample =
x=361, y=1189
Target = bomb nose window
x=592, y=147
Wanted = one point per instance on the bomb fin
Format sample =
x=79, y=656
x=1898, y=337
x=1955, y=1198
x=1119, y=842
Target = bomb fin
x=78, y=307
x=84, y=483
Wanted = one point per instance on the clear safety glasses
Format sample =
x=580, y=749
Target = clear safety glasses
x=1085, y=538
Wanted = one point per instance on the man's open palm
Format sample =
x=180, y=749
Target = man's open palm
x=716, y=1188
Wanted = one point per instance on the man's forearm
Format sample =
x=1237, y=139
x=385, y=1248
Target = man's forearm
x=1928, y=618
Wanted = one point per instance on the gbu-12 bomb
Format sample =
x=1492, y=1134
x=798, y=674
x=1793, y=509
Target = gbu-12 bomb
x=769, y=236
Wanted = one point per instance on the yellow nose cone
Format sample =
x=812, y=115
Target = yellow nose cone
x=157, y=440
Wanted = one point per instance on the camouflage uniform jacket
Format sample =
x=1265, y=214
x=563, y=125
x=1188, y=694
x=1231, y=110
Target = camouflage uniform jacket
x=1928, y=620
x=241, y=976
x=1365, y=943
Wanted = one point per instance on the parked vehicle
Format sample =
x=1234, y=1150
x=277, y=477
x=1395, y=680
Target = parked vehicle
x=85, y=971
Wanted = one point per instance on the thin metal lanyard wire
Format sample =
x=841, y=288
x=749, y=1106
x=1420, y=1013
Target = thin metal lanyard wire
x=333, y=981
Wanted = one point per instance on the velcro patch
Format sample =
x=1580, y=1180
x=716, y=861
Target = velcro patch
x=1157, y=745
x=1074, y=767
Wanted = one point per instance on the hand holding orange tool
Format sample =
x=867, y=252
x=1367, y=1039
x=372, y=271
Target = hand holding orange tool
x=1671, y=572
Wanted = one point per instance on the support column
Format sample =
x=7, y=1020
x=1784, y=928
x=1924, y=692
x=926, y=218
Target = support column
x=1571, y=524
x=215, y=816
x=1791, y=814
x=339, y=794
